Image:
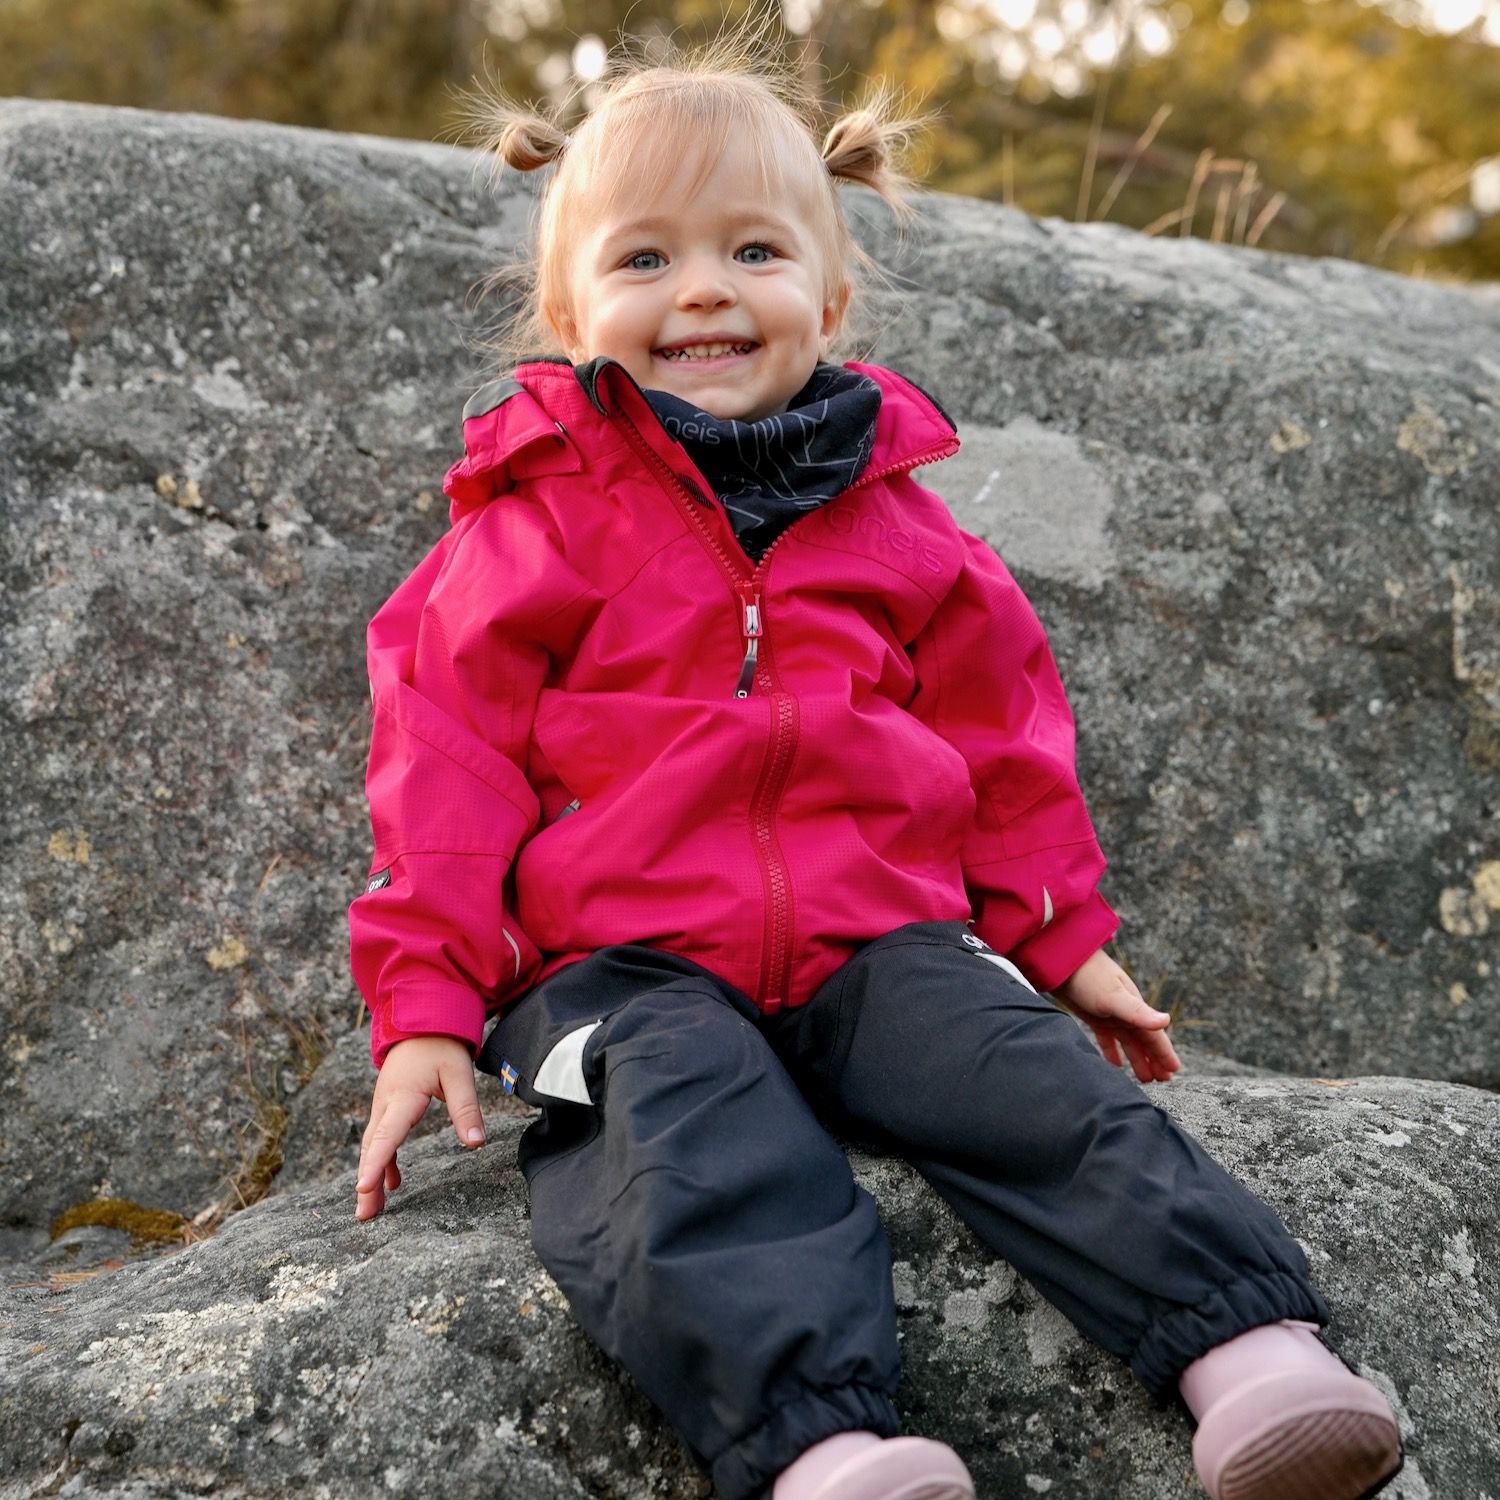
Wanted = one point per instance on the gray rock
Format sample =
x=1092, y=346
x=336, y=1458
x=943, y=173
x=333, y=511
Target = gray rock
x=299, y=1351
x=1253, y=496
x=230, y=368
x=85, y=1247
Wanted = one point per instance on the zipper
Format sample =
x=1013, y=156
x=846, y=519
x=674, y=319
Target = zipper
x=751, y=625
x=734, y=571
x=776, y=971
x=941, y=449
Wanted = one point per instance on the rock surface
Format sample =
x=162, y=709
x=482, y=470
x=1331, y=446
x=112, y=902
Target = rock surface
x=1255, y=499
x=230, y=369
x=299, y=1352
x=1254, y=496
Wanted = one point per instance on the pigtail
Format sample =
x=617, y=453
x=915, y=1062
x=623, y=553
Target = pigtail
x=866, y=144
x=530, y=142
x=506, y=133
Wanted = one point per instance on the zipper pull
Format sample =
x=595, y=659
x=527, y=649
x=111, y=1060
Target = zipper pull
x=751, y=628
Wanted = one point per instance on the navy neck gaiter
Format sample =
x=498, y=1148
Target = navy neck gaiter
x=769, y=472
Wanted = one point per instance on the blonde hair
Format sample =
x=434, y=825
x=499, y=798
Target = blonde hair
x=647, y=116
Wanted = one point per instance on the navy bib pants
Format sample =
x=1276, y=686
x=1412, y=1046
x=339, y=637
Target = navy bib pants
x=707, y=1231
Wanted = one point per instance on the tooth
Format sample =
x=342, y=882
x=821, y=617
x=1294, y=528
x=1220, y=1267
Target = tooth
x=706, y=351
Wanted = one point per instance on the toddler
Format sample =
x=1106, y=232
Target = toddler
x=713, y=754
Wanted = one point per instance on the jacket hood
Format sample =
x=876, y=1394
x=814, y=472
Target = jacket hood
x=508, y=434
x=528, y=423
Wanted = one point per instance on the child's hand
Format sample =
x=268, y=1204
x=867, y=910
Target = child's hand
x=416, y=1072
x=1103, y=996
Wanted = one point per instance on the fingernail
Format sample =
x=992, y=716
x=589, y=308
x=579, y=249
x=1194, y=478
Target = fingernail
x=476, y=1136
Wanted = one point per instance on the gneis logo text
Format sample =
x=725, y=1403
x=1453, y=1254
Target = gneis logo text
x=888, y=536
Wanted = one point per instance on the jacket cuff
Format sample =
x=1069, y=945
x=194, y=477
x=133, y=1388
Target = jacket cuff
x=426, y=1008
x=1060, y=948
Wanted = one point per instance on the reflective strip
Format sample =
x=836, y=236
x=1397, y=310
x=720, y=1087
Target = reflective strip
x=561, y=1073
x=1046, y=906
x=1009, y=967
x=515, y=948
x=488, y=397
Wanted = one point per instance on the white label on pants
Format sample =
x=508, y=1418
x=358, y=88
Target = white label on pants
x=561, y=1073
x=1008, y=966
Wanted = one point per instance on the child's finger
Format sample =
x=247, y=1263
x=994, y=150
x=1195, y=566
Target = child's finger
x=384, y=1134
x=1140, y=1063
x=375, y=1160
x=1109, y=1045
x=1158, y=1057
x=368, y=1201
x=1135, y=1012
x=463, y=1103
x=377, y=1146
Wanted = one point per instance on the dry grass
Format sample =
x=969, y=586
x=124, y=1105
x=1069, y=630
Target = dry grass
x=1234, y=184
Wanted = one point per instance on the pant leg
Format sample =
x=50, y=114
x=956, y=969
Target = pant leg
x=1057, y=1160
x=705, y=1229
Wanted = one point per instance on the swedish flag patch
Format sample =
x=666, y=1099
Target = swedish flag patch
x=508, y=1077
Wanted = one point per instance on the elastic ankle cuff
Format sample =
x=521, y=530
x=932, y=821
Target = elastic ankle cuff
x=746, y=1469
x=1175, y=1340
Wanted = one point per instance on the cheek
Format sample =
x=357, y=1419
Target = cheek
x=625, y=319
x=793, y=317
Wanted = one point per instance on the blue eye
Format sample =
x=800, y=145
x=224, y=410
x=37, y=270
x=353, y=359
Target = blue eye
x=643, y=255
x=764, y=250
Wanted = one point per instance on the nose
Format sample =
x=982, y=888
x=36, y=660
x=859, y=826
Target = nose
x=704, y=283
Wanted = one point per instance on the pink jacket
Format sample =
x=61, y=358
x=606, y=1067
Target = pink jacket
x=596, y=721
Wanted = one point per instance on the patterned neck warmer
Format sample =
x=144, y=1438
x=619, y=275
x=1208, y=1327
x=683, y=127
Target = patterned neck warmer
x=767, y=473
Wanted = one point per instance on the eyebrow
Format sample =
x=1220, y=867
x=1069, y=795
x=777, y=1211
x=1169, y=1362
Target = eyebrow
x=655, y=223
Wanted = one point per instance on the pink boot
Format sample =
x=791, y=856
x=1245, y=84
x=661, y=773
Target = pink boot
x=862, y=1466
x=1280, y=1417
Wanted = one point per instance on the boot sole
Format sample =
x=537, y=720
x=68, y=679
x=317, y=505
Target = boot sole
x=903, y=1468
x=1322, y=1455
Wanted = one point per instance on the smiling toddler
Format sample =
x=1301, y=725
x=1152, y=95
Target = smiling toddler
x=718, y=760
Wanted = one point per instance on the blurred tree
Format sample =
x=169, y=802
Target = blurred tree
x=1350, y=133
x=1316, y=126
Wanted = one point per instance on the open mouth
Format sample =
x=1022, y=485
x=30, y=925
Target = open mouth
x=693, y=353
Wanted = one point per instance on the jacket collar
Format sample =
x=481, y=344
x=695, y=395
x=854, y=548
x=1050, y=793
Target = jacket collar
x=522, y=426
x=914, y=424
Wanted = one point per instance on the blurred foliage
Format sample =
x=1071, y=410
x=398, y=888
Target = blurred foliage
x=1324, y=127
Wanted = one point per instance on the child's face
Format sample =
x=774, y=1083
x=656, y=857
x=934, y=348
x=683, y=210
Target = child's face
x=729, y=265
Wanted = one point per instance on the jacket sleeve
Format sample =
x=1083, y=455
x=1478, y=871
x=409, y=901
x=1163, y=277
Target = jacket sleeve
x=457, y=657
x=988, y=685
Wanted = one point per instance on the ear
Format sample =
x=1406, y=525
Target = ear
x=833, y=312
x=565, y=327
